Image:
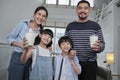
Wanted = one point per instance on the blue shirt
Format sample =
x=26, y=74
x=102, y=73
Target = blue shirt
x=18, y=34
x=68, y=72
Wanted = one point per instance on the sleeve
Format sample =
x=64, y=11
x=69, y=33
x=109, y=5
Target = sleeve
x=15, y=32
x=101, y=38
x=77, y=62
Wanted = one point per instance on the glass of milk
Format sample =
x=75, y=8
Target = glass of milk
x=30, y=36
x=93, y=39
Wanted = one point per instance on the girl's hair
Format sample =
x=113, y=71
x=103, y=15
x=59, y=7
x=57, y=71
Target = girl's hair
x=64, y=39
x=45, y=31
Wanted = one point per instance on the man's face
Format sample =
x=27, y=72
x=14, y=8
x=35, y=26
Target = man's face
x=83, y=11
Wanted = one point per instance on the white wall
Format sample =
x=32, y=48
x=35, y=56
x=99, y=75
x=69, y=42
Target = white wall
x=12, y=11
x=5, y=55
x=111, y=29
x=117, y=35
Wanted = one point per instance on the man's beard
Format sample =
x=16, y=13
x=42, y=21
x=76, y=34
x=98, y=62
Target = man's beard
x=82, y=18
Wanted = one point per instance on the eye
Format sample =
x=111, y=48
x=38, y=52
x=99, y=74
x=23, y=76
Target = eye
x=79, y=8
x=41, y=14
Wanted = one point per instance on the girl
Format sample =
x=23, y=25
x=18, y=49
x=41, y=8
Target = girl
x=42, y=61
x=16, y=69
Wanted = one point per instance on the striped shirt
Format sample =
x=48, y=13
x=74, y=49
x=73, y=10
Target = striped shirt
x=80, y=34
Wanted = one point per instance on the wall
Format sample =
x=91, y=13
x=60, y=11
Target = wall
x=117, y=35
x=12, y=11
x=5, y=54
x=111, y=30
x=107, y=26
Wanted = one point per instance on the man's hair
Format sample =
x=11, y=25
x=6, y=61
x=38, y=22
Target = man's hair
x=64, y=39
x=83, y=1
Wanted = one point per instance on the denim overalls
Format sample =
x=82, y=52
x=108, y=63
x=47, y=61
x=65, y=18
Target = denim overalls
x=42, y=69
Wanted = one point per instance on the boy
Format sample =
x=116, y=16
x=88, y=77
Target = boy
x=66, y=66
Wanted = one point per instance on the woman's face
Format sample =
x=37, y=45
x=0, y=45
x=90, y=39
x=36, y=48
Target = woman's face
x=40, y=17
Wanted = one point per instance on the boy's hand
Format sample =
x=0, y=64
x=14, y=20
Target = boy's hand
x=72, y=54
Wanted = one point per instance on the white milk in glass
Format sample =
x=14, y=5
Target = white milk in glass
x=30, y=36
x=93, y=39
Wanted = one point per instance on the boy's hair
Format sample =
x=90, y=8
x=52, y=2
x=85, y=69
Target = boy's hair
x=64, y=39
x=83, y=1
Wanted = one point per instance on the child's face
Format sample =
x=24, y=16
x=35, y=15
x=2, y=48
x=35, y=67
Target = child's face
x=45, y=38
x=65, y=47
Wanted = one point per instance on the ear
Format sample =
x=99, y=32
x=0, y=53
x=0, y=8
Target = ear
x=90, y=10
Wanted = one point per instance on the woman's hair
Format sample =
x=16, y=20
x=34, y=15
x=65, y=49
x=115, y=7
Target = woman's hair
x=64, y=39
x=45, y=31
x=41, y=8
x=37, y=40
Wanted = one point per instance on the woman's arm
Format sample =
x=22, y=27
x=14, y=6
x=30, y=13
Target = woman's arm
x=27, y=53
x=16, y=43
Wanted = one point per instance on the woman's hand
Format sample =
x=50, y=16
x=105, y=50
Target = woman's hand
x=26, y=46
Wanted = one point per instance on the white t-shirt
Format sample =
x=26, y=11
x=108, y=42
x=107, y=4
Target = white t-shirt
x=42, y=52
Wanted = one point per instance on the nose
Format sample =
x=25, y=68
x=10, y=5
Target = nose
x=40, y=17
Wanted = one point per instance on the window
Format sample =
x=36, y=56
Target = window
x=67, y=2
x=50, y=1
x=74, y=2
x=58, y=32
x=63, y=2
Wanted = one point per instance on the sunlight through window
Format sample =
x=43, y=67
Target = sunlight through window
x=63, y=2
x=50, y=1
x=67, y=2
